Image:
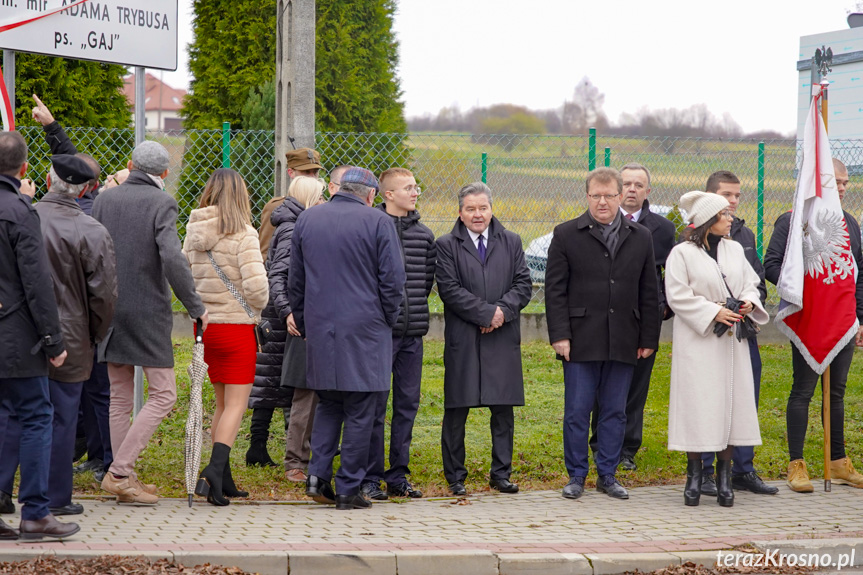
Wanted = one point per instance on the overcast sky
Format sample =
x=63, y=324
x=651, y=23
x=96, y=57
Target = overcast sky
x=736, y=56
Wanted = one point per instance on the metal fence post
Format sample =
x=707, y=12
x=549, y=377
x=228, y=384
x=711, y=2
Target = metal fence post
x=607, y=157
x=759, y=238
x=591, y=150
x=484, y=168
x=226, y=144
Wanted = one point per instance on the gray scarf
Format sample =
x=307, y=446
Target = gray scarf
x=610, y=232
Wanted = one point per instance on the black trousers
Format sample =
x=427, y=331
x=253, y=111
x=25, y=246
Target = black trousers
x=636, y=399
x=502, y=426
x=262, y=417
x=803, y=387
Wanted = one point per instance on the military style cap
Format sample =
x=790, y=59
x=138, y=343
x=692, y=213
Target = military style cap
x=304, y=159
x=71, y=169
x=360, y=176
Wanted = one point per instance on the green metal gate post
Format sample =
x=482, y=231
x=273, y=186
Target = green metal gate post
x=484, y=168
x=591, y=150
x=226, y=144
x=759, y=238
x=607, y=157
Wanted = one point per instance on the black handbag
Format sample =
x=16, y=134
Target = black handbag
x=746, y=328
x=263, y=328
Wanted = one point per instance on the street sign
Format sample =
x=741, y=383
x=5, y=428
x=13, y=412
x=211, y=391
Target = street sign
x=128, y=32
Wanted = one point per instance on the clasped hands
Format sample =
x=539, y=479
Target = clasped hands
x=496, y=321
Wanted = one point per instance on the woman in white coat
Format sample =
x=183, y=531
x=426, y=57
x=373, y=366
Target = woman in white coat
x=712, y=405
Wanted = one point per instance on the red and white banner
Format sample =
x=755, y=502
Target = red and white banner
x=817, y=283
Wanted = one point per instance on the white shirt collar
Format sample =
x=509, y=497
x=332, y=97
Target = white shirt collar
x=475, y=237
x=635, y=216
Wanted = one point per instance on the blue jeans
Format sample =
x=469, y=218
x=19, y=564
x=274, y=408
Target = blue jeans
x=607, y=384
x=27, y=400
x=742, y=456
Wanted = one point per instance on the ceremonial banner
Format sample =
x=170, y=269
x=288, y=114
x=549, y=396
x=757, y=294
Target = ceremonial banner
x=817, y=283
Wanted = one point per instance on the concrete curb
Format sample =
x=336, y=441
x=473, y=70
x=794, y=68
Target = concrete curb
x=474, y=562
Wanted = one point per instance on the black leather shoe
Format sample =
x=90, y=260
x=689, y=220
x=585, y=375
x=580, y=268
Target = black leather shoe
x=7, y=533
x=71, y=509
x=320, y=490
x=6, y=505
x=345, y=502
x=403, y=489
x=457, y=488
x=373, y=491
x=574, y=489
x=99, y=475
x=89, y=465
x=692, y=491
x=609, y=485
x=708, y=484
x=503, y=485
x=751, y=482
x=627, y=463
x=48, y=526
x=724, y=492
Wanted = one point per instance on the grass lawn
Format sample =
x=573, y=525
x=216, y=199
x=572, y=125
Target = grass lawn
x=538, y=455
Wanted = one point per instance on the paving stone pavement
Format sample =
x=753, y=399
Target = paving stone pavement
x=508, y=531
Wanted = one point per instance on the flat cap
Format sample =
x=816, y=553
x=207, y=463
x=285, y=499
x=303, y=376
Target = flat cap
x=304, y=159
x=71, y=169
x=151, y=157
x=360, y=176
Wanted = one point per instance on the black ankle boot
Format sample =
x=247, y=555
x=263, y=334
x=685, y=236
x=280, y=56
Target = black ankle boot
x=229, y=488
x=210, y=483
x=692, y=491
x=257, y=455
x=724, y=492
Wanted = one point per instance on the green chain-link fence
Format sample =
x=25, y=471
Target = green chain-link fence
x=537, y=181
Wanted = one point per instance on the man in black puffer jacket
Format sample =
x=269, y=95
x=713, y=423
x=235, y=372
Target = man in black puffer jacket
x=400, y=192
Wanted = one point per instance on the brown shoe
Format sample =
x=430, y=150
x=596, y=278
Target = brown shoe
x=128, y=490
x=48, y=526
x=296, y=475
x=798, y=477
x=843, y=473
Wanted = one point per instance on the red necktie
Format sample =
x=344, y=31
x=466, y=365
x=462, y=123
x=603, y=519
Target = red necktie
x=629, y=217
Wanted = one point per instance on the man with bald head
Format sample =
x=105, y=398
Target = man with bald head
x=804, y=378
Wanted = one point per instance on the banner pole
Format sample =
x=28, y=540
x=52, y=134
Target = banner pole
x=825, y=377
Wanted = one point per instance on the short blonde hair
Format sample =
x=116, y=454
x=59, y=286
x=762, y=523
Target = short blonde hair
x=226, y=189
x=308, y=191
x=391, y=173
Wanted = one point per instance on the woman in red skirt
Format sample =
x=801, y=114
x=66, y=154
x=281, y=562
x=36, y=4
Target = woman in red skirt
x=222, y=248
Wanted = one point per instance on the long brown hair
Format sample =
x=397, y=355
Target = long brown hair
x=698, y=236
x=226, y=189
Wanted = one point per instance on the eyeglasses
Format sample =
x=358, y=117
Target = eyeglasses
x=409, y=189
x=606, y=197
x=726, y=214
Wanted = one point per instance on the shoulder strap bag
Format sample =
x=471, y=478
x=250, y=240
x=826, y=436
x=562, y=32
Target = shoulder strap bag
x=263, y=329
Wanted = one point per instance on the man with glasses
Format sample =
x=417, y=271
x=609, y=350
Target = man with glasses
x=602, y=310
x=743, y=474
x=336, y=179
x=635, y=207
x=400, y=193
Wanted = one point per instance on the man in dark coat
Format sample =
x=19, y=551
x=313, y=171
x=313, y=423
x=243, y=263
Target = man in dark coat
x=346, y=282
x=484, y=284
x=635, y=207
x=81, y=258
x=743, y=474
x=602, y=309
x=30, y=338
x=400, y=192
x=142, y=221
x=804, y=378
x=94, y=429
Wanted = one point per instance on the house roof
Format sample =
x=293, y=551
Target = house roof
x=155, y=91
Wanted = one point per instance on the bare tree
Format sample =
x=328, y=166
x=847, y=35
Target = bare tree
x=585, y=109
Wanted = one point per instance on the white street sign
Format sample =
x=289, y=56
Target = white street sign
x=127, y=32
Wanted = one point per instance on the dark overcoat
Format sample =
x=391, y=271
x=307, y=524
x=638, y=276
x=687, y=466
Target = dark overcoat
x=345, y=284
x=29, y=321
x=607, y=305
x=664, y=235
x=482, y=369
x=142, y=221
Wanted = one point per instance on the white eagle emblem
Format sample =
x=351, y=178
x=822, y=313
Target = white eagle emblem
x=825, y=247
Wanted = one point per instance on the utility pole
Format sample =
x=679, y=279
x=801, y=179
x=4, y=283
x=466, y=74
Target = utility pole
x=295, y=82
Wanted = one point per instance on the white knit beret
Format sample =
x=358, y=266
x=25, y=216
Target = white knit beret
x=701, y=206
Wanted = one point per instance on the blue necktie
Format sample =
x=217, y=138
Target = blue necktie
x=480, y=248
